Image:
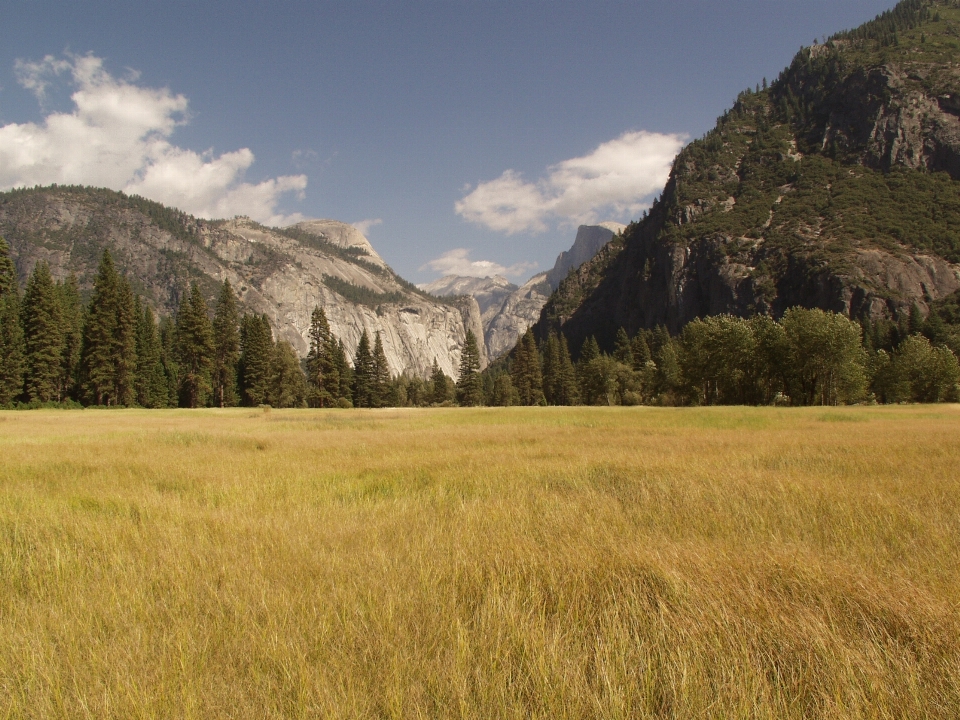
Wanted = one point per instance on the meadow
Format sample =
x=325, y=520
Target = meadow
x=481, y=563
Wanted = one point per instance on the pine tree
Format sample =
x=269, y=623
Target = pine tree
x=195, y=350
x=469, y=387
x=566, y=389
x=108, y=352
x=71, y=323
x=11, y=332
x=380, y=382
x=622, y=350
x=42, y=336
x=168, y=358
x=256, y=357
x=287, y=386
x=150, y=385
x=640, y=352
x=226, y=348
x=526, y=372
x=320, y=361
x=363, y=373
x=438, y=381
x=551, y=368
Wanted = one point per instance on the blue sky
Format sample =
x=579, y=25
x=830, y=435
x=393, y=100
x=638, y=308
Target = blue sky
x=461, y=135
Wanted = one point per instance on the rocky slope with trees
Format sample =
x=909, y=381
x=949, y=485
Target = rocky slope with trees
x=282, y=273
x=834, y=187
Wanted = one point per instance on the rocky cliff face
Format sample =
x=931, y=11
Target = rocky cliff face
x=283, y=273
x=836, y=187
x=507, y=310
x=589, y=240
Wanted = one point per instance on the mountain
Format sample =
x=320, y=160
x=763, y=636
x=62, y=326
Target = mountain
x=282, y=272
x=837, y=187
x=507, y=310
x=589, y=240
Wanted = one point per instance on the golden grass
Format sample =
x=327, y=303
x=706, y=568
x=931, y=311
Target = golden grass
x=514, y=563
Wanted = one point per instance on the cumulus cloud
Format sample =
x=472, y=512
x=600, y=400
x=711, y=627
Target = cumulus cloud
x=458, y=262
x=364, y=225
x=118, y=136
x=616, y=179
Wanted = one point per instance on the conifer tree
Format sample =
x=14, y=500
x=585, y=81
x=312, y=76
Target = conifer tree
x=526, y=372
x=108, y=353
x=551, y=368
x=438, y=380
x=11, y=332
x=363, y=373
x=320, y=362
x=195, y=349
x=256, y=358
x=168, y=358
x=226, y=348
x=42, y=336
x=566, y=389
x=622, y=349
x=287, y=388
x=380, y=382
x=150, y=385
x=640, y=352
x=71, y=323
x=469, y=386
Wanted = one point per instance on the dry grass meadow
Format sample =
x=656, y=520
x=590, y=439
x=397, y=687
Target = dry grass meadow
x=489, y=563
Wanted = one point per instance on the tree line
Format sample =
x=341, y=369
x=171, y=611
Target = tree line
x=113, y=351
x=808, y=357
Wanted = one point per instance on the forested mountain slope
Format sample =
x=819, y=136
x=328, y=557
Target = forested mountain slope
x=282, y=272
x=837, y=186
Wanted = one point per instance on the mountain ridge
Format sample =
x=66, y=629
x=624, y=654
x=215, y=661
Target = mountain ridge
x=835, y=187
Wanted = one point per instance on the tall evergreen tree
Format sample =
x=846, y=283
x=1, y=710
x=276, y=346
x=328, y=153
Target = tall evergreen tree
x=11, y=332
x=469, y=386
x=195, y=349
x=640, y=352
x=168, y=358
x=287, y=387
x=226, y=348
x=363, y=373
x=150, y=386
x=526, y=372
x=381, y=380
x=108, y=353
x=551, y=368
x=71, y=322
x=622, y=349
x=320, y=362
x=566, y=390
x=42, y=336
x=438, y=381
x=344, y=371
x=256, y=357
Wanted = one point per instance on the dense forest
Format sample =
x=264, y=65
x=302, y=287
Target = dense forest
x=113, y=352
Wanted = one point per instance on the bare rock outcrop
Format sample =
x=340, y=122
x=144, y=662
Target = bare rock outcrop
x=283, y=273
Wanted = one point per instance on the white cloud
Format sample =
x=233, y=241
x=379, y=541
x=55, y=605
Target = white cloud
x=615, y=179
x=117, y=136
x=458, y=262
x=364, y=225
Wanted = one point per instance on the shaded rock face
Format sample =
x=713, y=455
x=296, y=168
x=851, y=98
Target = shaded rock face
x=747, y=222
x=589, y=240
x=281, y=275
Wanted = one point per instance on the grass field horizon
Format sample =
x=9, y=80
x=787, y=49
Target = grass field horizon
x=481, y=563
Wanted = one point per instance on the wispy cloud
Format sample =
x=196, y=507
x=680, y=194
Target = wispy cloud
x=616, y=179
x=458, y=262
x=364, y=225
x=118, y=135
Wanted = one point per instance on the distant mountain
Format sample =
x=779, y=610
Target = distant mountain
x=282, y=272
x=507, y=310
x=837, y=187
